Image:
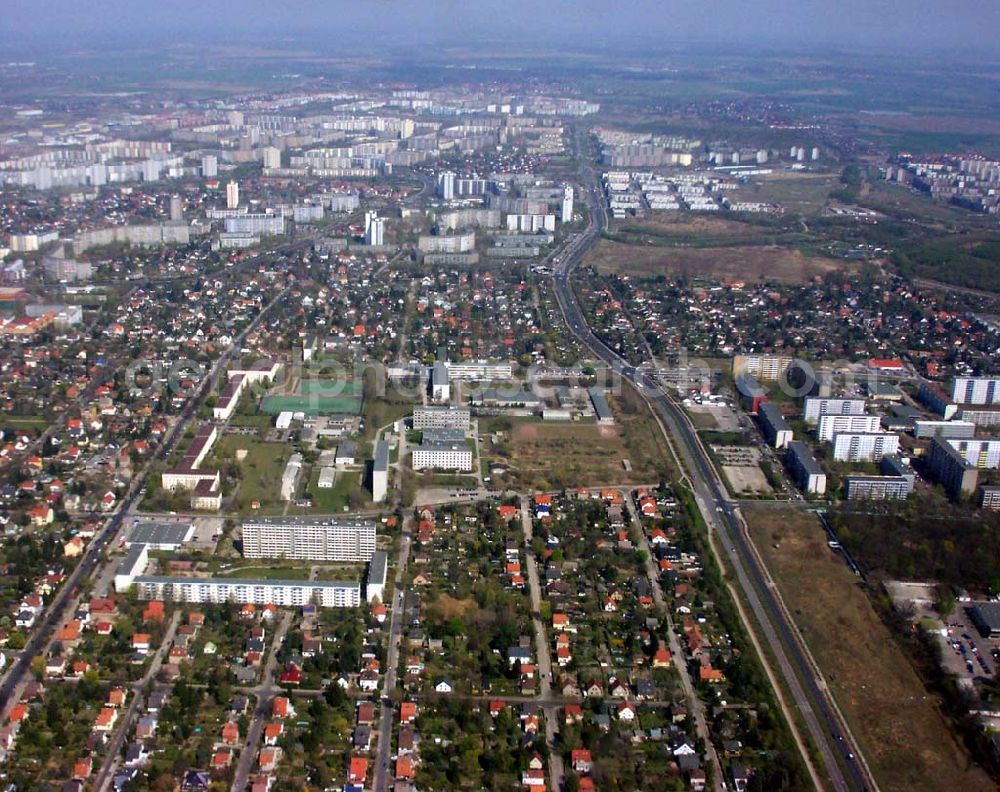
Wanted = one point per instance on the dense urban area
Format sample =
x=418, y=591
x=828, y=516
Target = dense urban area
x=458, y=429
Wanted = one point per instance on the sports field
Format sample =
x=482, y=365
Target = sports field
x=312, y=404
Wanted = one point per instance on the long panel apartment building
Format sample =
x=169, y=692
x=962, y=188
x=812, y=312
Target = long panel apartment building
x=808, y=474
x=309, y=538
x=442, y=456
x=951, y=468
x=814, y=407
x=441, y=417
x=829, y=425
x=976, y=390
x=877, y=487
x=864, y=446
x=978, y=452
x=762, y=367
x=283, y=593
x=776, y=429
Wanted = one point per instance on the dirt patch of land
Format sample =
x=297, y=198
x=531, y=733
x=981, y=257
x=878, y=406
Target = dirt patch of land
x=747, y=263
x=445, y=607
x=903, y=734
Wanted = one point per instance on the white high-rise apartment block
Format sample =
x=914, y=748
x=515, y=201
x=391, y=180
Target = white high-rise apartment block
x=814, y=408
x=981, y=453
x=374, y=229
x=446, y=185
x=566, y=215
x=232, y=195
x=976, y=390
x=442, y=456
x=209, y=166
x=829, y=425
x=380, y=471
x=440, y=385
x=864, y=446
x=271, y=156
x=441, y=417
x=328, y=539
x=283, y=593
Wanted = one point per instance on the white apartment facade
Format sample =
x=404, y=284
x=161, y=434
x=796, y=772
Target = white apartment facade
x=864, y=446
x=309, y=539
x=813, y=408
x=283, y=593
x=442, y=457
x=829, y=425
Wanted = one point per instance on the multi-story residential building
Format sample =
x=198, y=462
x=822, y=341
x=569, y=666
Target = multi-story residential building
x=762, y=367
x=257, y=223
x=951, y=468
x=937, y=400
x=976, y=390
x=133, y=565
x=864, y=446
x=752, y=395
x=375, y=581
x=441, y=417
x=978, y=452
x=480, y=370
x=877, y=487
x=380, y=471
x=188, y=473
x=317, y=539
x=440, y=385
x=531, y=223
x=229, y=397
x=980, y=416
x=776, y=429
x=813, y=408
x=989, y=498
x=808, y=474
x=283, y=593
x=957, y=429
x=829, y=425
x=442, y=456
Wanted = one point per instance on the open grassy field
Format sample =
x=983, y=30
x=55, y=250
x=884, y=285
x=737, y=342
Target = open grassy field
x=554, y=455
x=267, y=573
x=261, y=470
x=745, y=262
x=802, y=193
x=905, y=738
x=679, y=225
x=333, y=499
x=24, y=422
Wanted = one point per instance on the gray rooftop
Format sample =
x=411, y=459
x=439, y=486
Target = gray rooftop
x=376, y=568
x=600, y=401
x=451, y=435
x=381, y=449
x=774, y=417
x=801, y=452
x=158, y=533
x=989, y=614
x=128, y=564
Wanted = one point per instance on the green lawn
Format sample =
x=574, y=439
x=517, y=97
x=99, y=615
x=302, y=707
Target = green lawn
x=261, y=470
x=268, y=573
x=333, y=500
x=23, y=422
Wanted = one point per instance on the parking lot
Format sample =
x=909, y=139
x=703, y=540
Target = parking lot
x=964, y=651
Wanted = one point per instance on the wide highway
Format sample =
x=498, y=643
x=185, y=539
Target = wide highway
x=843, y=765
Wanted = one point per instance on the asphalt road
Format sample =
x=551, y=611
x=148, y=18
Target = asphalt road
x=830, y=735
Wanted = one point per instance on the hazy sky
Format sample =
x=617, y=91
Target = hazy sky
x=911, y=25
